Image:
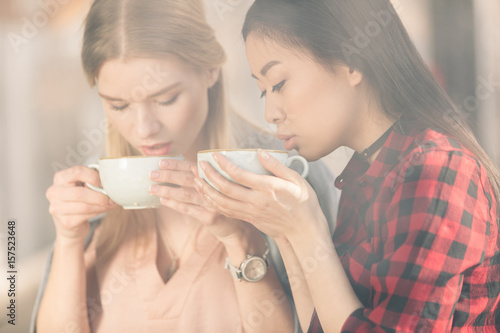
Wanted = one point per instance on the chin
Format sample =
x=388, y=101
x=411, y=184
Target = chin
x=308, y=155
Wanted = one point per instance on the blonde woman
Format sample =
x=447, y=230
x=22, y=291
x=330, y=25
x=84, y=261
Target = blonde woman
x=157, y=66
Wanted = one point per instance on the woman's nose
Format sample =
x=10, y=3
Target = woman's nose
x=274, y=113
x=147, y=123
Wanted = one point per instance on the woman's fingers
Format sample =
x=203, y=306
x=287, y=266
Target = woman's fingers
x=72, y=204
x=284, y=182
x=227, y=206
x=243, y=177
x=260, y=182
x=78, y=194
x=195, y=211
x=225, y=186
x=77, y=175
x=82, y=209
x=77, y=201
x=169, y=164
x=277, y=168
x=234, y=200
x=174, y=172
x=181, y=194
x=181, y=178
x=194, y=170
x=178, y=173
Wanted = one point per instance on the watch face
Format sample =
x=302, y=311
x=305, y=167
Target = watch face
x=254, y=270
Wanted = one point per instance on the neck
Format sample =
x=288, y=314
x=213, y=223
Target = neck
x=175, y=228
x=175, y=239
x=370, y=128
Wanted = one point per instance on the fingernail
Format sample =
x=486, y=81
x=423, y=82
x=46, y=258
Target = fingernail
x=164, y=163
x=194, y=170
x=154, y=189
x=263, y=154
x=208, y=198
x=197, y=183
x=216, y=157
x=203, y=165
x=155, y=174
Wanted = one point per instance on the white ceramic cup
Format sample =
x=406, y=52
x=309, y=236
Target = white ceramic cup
x=247, y=159
x=126, y=180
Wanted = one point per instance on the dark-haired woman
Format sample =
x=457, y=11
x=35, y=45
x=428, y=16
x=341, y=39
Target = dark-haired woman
x=416, y=248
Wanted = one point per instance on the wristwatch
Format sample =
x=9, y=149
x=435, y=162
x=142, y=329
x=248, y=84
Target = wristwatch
x=252, y=269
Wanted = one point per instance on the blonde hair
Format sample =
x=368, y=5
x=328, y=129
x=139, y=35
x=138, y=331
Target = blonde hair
x=122, y=29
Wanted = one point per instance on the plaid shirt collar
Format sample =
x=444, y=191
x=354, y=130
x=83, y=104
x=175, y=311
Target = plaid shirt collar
x=389, y=155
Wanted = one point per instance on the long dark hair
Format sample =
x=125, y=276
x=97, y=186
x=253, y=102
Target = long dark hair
x=368, y=35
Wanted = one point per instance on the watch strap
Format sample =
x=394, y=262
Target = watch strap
x=235, y=271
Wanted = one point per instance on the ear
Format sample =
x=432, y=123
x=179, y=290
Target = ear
x=212, y=75
x=355, y=77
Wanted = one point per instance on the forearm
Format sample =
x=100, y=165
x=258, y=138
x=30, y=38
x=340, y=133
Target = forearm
x=332, y=294
x=302, y=297
x=264, y=306
x=63, y=306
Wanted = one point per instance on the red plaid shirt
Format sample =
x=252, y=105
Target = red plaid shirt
x=417, y=235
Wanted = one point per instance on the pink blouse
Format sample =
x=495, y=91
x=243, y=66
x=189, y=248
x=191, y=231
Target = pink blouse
x=127, y=293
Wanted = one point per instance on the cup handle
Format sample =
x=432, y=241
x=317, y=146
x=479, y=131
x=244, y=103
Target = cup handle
x=92, y=187
x=302, y=160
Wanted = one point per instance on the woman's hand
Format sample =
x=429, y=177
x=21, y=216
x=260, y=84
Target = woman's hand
x=183, y=198
x=72, y=204
x=280, y=206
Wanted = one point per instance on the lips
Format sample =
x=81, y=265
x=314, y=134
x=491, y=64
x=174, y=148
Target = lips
x=157, y=149
x=283, y=136
x=290, y=141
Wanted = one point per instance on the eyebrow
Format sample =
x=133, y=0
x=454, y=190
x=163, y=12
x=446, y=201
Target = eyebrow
x=156, y=94
x=267, y=67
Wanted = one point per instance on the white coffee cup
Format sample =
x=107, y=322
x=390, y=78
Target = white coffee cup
x=126, y=179
x=247, y=159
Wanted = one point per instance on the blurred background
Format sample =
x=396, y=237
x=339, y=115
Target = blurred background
x=51, y=120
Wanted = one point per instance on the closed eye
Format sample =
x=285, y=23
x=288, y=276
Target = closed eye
x=170, y=101
x=119, y=108
x=278, y=87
